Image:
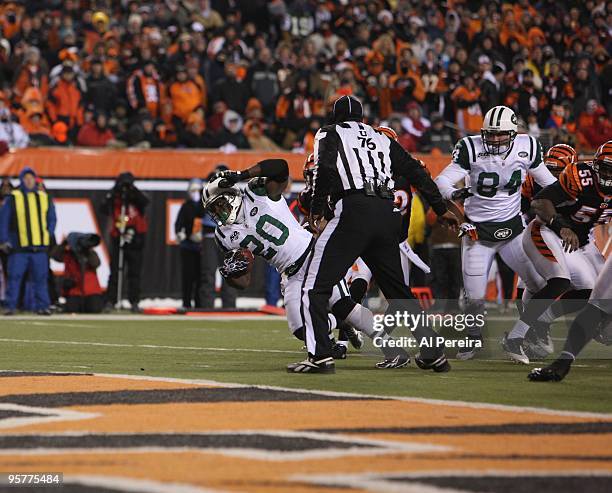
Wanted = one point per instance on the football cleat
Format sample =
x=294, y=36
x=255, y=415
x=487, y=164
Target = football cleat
x=398, y=362
x=310, y=365
x=514, y=349
x=470, y=351
x=555, y=372
x=540, y=348
x=339, y=351
x=439, y=365
x=355, y=337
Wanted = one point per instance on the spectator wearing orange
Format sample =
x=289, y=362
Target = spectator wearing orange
x=467, y=103
x=65, y=100
x=258, y=141
x=145, y=89
x=32, y=73
x=96, y=133
x=185, y=95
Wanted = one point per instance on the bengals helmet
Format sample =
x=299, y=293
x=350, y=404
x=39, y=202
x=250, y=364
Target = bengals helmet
x=602, y=165
x=558, y=157
x=388, y=131
x=309, y=169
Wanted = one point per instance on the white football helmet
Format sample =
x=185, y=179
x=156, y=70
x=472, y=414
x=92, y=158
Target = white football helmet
x=499, y=129
x=222, y=203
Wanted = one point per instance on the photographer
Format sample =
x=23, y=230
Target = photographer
x=80, y=286
x=126, y=205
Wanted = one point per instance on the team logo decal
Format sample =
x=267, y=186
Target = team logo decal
x=502, y=233
x=234, y=236
x=523, y=154
x=513, y=119
x=254, y=211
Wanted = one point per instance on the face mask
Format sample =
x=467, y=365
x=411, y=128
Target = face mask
x=195, y=196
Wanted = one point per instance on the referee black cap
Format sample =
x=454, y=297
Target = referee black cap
x=347, y=108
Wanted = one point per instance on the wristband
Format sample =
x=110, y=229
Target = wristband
x=557, y=223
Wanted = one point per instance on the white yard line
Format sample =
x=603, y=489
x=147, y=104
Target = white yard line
x=148, y=346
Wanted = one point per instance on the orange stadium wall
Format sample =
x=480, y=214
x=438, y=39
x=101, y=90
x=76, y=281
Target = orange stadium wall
x=57, y=162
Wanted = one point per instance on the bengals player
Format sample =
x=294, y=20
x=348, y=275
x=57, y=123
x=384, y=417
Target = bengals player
x=559, y=241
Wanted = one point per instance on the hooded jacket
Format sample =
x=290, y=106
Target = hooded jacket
x=9, y=230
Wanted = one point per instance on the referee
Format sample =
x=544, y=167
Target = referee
x=355, y=170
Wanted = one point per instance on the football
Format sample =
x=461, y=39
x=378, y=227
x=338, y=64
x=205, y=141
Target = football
x=248, y=256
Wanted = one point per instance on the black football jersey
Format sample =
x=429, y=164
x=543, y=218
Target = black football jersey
x=590, y=205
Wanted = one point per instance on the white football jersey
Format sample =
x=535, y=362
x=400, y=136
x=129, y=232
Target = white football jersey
x=267, y=228
x=495, y=180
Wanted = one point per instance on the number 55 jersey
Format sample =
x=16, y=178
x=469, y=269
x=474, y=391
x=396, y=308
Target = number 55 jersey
x=586, y=204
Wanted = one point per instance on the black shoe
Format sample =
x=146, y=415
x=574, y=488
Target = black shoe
x=397, y=362
x=45, y=313
x=339, y=351
x=9, y=313
x=514, y=349
x=355, y=337
x=555, y=372
x=439, y=365
x=325, y=365
x=135, y=309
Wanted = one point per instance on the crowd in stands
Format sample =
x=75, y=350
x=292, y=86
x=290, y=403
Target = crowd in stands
x=260, y=74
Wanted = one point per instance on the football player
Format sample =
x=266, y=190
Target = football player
x=259, y=220
x=591, y=319
x=568, y=275
x=584, y=190
x=495, y=165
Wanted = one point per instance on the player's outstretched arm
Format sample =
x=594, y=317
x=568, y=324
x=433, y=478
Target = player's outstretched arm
x=275, y=170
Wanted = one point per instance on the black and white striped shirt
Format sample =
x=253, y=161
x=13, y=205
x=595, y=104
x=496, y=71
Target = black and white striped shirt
x=349, y=154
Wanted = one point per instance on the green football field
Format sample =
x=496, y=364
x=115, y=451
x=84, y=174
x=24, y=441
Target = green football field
x=256, y=352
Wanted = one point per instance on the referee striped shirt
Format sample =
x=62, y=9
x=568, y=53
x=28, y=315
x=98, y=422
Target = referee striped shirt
x=350, y=154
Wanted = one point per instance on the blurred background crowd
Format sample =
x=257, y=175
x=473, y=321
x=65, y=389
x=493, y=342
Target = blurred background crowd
x=259, y=74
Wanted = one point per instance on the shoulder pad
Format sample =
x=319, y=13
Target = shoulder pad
x=570, y=179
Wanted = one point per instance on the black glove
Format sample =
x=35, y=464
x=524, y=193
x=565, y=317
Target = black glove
x=229, y=178
x=461, y=194
x=235, y=264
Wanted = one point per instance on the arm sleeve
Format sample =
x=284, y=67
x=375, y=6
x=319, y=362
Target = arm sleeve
x=326, y=145
x=403, y=164
x=274, y=169
x=5, y=216
x=446, y=180
x=535, y=153
x=542, y=175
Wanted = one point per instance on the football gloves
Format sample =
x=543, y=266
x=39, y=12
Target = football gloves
x=235, y=264
x=461, y=194
x=229, y=178
x=468, y=229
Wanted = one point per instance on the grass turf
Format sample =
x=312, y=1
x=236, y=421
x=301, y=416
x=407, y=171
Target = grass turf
x=256, y=352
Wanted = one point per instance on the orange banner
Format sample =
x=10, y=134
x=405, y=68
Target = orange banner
x=55, y=162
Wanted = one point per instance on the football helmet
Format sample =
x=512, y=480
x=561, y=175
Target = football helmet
x=602, y=165
x=388, y=131
x=498, y=130
x=222, y=203
x=558, y=157
x=309, y=169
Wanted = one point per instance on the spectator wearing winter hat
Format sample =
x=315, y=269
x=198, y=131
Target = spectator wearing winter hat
x=101, y=92
x=232, y=135
x=414, y=123
x=65, y=101
x=185, y=95
x=96, y=133
x=145, y=89
x=438, y=136
x=11, y=132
